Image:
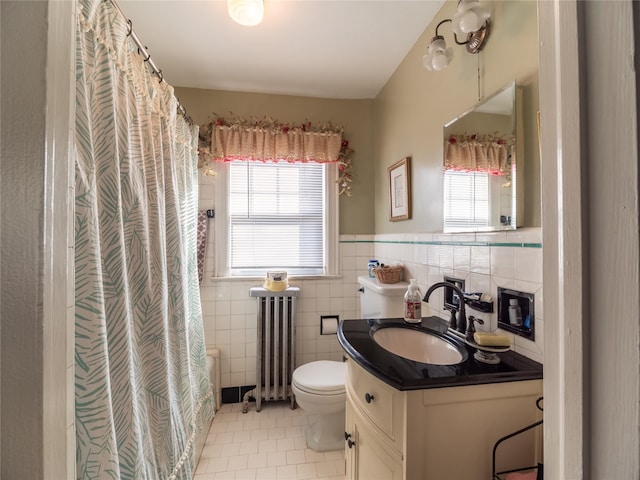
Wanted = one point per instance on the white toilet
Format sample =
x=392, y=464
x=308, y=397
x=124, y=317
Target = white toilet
x=381, y=300
x=319, y=390
x=319, y=387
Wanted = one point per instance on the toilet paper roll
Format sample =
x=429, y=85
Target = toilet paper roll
x=328, y=326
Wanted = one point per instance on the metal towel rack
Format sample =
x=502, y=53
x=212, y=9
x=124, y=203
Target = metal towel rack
x=538, y=467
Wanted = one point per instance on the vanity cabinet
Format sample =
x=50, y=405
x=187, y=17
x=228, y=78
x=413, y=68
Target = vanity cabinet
x=366, y=455
x=436, y=433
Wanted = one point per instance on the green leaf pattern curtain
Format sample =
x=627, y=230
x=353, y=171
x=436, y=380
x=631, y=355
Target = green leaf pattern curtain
x=142, y=389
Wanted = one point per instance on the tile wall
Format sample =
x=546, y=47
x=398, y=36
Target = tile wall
x=230, y=314
x=484, y=261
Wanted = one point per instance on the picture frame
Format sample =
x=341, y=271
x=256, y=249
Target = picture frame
x=400, y=190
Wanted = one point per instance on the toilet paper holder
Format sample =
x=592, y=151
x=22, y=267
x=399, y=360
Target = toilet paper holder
x=329, y=324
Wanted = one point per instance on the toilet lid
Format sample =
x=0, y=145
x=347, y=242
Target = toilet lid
x=323, y=376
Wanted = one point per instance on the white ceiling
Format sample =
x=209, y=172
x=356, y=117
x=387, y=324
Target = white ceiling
x=317, y=48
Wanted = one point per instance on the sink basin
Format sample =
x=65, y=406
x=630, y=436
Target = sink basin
x=417, y=345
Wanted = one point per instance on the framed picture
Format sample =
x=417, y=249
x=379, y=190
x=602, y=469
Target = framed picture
x=400, y=190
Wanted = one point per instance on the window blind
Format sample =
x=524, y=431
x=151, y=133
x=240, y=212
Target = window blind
x=466, y=199
x=276, y=214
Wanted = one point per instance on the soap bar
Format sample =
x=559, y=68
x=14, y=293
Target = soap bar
x=491, y=339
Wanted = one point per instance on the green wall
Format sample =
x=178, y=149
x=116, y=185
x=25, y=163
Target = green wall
x=414, y=105
x=356, y=116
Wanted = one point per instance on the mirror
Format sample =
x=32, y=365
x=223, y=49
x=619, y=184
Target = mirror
x=483, y=188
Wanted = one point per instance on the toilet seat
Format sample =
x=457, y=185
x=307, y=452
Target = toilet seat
x=323, y=377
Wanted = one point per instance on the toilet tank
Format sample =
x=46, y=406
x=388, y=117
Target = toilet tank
x=381, y=300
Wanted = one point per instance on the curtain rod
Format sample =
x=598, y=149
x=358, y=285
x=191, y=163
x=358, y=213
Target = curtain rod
x=142, y=49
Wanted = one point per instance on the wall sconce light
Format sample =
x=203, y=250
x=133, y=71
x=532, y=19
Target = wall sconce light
x=471, y=21
x=246, y=12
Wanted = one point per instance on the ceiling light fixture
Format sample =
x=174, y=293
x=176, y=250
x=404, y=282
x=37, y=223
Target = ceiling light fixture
x=246, y=12
x=470, y=21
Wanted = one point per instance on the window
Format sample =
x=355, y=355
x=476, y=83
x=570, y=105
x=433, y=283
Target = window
x=466, y=199
x=278, y=216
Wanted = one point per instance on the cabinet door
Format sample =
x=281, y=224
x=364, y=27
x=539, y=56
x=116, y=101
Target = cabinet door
x=367, y=459
x=349, y=432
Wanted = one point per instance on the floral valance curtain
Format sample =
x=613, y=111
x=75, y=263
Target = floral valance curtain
x=477, y=153
x=268, y=140
x=273, y=141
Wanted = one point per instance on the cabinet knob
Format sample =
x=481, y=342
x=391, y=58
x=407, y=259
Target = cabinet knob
x=347, y=437
x=361, y=289
x=368, y=397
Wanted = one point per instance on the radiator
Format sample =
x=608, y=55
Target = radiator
x=275, y=347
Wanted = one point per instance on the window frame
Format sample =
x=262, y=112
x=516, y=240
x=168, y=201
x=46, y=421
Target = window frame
x=221, y=263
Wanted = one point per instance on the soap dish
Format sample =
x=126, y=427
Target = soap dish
x=486, y=354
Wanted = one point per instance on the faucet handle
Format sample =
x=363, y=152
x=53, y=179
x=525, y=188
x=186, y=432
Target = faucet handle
x=453, y=322
x=472, y=328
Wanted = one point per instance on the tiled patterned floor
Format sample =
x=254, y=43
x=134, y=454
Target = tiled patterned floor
x=268, y=445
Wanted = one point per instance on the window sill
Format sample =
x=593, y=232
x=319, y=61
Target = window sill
x=261, y=279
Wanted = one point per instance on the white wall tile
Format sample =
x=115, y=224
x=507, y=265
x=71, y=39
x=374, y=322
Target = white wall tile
x=223, y=307
x=491, y=237
x=208, y=308
x=462, y=258
x=480, y=261
x=422, y=254
x=503, y=261
x=237, y=322
x=446, y=257
x=335, y=306
x=528, y=264
x=463, y=237
x=525, y=235
x=230, y=315
x=323, y=291
x=433, y=255
x=348, y=263
x=478, y=283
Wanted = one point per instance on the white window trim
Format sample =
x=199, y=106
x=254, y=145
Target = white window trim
x=221, y=267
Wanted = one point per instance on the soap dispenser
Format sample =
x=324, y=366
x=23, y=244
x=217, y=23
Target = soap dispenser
x=413, y=303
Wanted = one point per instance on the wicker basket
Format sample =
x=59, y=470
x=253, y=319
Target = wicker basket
x=388, y=274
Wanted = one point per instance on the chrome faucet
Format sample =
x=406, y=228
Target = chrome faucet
x=462, y=323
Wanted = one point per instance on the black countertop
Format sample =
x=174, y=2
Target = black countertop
x=356, y=338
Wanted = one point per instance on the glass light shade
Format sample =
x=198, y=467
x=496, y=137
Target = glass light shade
x=470, y=21
x=246, y=12
x=470, y=17
x=437, y=44
x=439, y=60
x=426, y=62
x=438, y=56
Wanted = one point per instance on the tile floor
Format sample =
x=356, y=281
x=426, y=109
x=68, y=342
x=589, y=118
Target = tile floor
x=264, y=445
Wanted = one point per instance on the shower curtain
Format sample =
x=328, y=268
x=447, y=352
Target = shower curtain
x=141, y=386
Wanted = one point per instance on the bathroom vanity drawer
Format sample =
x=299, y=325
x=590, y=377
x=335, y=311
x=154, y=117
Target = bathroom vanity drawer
x=381, y=404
